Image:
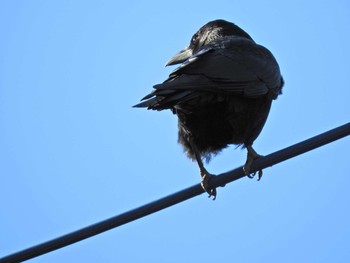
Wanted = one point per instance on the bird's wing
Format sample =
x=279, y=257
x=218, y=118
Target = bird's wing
x=233, y=65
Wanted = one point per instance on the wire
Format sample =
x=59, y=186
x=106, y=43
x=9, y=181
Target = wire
x=220, y=180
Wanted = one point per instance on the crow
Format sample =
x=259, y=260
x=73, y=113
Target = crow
x=221, y=93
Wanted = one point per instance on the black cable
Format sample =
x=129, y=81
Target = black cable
x=178, y=197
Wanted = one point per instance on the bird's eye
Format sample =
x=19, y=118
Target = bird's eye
x=194, y=38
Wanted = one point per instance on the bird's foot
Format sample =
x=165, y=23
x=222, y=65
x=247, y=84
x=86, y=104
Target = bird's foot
x=252, y=175
x=206, y=177
x=251, y=156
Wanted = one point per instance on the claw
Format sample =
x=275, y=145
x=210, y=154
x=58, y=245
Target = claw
x=260, y=174
x=206, y=177
x=251, y=156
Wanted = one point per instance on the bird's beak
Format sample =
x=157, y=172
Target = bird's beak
x=180, y=57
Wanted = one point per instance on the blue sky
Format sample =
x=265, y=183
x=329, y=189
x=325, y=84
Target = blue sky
x=74, y=152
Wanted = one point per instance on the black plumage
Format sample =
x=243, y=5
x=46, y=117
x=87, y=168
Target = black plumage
x=222, y=93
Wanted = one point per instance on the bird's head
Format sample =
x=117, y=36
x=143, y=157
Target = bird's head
x=205, y=35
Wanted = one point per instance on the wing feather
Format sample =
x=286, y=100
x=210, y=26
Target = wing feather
x=233, y=65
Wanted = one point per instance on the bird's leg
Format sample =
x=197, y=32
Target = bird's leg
x=206, y=176
x=251, y=156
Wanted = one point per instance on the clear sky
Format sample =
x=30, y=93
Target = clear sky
x=74, y=152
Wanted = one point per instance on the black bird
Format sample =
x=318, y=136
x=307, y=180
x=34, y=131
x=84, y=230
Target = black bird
x=222, y=93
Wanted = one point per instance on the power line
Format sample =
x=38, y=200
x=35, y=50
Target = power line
x=178, y=197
